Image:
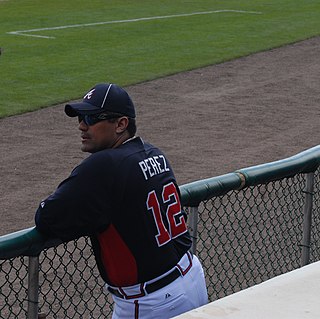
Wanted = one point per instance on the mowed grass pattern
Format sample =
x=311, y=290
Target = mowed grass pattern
x=177, y=36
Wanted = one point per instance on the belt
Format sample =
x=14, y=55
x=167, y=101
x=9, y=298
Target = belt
x=147, y=288
x=154, y=286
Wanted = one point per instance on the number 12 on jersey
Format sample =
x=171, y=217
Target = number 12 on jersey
x=175, y=220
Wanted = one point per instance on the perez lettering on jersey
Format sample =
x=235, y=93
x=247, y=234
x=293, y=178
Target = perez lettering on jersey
x=154, y=165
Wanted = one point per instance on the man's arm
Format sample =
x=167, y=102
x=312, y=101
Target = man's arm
x=75, y=209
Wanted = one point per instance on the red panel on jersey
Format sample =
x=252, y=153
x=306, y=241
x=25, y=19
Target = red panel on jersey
x=119, y=263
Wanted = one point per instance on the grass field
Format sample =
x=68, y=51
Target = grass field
x=52, y=51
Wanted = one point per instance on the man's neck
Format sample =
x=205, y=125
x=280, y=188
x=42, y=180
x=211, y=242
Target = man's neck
x=123, y=138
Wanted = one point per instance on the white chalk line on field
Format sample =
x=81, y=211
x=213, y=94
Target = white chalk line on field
x=27, y=32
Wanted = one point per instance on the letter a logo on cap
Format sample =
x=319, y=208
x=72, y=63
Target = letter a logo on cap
x=89, y=94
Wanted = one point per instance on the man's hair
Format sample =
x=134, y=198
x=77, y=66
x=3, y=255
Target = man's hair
x=132, y=126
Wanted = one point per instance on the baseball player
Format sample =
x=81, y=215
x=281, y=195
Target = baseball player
x=125, y=197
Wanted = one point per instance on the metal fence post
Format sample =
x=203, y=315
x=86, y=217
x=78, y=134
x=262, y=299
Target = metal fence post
x=193, y=227
x=33, y=287
x=307, y=217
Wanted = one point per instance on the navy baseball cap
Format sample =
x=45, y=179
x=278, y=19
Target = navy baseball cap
x=103, y=97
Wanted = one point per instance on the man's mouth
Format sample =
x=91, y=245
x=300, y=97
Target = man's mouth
x=85, y=137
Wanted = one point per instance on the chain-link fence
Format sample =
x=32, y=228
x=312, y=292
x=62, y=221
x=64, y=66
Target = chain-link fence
x=249, y=236
x=243, y=237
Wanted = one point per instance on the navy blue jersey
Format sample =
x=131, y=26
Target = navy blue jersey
x=127, y=200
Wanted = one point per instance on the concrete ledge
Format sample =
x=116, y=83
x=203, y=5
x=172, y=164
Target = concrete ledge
x=294, y=295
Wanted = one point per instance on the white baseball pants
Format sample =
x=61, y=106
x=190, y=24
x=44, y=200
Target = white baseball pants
x=183, y=294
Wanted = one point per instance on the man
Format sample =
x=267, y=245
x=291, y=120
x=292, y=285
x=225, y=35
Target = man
x=125, y=197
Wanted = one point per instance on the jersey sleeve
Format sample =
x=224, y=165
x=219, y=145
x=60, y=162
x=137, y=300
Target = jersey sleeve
x=78, y=207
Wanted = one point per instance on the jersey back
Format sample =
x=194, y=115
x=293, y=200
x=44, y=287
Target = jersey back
x=147, y=233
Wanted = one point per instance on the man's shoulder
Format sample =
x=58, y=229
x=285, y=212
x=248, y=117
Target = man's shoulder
x=113, y=157
x=114, y=154
x=134, y=145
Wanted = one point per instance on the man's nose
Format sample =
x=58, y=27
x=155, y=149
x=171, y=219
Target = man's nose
x=83, y=126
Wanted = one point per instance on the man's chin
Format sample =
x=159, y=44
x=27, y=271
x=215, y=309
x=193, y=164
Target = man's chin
x=89, y=148
x=86, y=148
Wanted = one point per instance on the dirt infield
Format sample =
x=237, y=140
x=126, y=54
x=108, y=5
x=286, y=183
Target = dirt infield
x=209, y=122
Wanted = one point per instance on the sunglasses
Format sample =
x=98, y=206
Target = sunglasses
x=94, y=119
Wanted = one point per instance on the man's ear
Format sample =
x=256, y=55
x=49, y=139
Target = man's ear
x=122, y=124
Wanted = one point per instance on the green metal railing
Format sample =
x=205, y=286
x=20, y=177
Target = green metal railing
x=247, y=226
